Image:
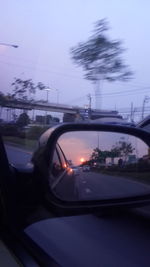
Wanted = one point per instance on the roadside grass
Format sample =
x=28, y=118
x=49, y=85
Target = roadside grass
x=143, y=177
x=26, y=144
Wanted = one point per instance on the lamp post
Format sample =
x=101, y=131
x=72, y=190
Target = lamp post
x=11, y=45
x=57, y=91
x=47, y=90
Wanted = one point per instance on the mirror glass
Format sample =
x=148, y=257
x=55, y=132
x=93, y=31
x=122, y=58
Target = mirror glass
x=91, y=165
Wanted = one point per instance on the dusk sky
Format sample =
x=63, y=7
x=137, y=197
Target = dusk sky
x=77, y=145
x=46, y=30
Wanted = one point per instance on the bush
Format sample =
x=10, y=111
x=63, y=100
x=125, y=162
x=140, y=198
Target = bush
x=9, y=130
x=55, y=119
x=35, y=132
x=23, y=120
x=141, y=166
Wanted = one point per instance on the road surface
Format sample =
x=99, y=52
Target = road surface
x=86, y=185
x=92, y=185
x=18, y=157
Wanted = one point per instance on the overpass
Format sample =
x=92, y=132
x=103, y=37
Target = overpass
x=62, y=108
x=38, y=105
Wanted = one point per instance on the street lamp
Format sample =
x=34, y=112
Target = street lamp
x=48, y=90
x=51, y=89
x=11, y=45
x=57, y=95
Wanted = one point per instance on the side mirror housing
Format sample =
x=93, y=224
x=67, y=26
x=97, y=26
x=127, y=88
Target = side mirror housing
x=94, y=166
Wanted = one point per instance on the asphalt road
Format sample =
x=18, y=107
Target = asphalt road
x=18, y=157
x=96, y=186
x=92, y=185
x=86, y=185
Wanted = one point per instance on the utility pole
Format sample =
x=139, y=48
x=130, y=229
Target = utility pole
x=11, y=45
x=146, y=99
x=90, y=100
x=89, y=106
x=48, y=89
x=131, y=115
x=98, y=97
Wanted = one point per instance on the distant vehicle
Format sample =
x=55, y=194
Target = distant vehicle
x=86, y=168
x=75, y=170
x=144, y=124
x=113, y=120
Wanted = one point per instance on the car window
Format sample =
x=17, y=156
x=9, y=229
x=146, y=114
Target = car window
x=56, y=68
x=62, y=157
x=74, y=62
x=57, y=166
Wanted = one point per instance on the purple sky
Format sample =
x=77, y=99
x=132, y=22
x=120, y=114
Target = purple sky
x=45, y=31
x=76, y=145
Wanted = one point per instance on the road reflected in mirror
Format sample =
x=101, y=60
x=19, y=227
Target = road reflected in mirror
x=100, y=165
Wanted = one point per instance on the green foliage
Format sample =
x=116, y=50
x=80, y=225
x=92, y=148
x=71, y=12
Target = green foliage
x=68, y=117
x=3, y=99
x=9, y=129
x=55, y=119
x=20, y=142
x=124, y=148
x=100, y=155
x=35, y=132
x=23, y=120
x=40, y=86
x=100, y=56
x=21, y=88
x=115, y=153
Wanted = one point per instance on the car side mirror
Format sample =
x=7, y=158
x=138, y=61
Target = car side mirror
x=96, y=165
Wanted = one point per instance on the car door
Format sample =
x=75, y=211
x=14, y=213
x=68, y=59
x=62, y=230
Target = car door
x=7, y=188
x=63, y=176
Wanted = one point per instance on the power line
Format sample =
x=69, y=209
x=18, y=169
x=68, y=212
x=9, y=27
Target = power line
x=42, y=69
x=33, y=62
x=77, y=99
x=66, y=74
x=114, y=94
x=124, y=94
x=128, y=92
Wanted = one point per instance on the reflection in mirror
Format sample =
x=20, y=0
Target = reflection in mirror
x=100, y=165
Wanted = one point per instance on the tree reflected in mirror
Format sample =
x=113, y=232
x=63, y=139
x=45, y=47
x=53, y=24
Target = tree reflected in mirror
x=100, y=165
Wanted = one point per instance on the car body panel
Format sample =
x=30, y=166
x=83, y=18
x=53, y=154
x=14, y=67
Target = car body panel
x=92, y=241
x=144, y=124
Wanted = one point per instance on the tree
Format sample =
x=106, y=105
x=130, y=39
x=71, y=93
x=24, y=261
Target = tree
x=114, y=153
x=23, y=88
x=2, y=99
x=68, y=117
x=23, y=120
x=124, y=149
x=55, y=119
x=99, y=156
x=101, y=57
x=40, y=86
